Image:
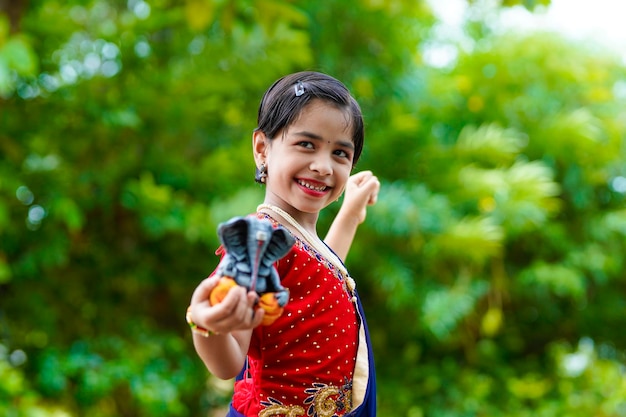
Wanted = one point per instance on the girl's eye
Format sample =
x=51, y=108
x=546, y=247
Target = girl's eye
x=342, y=153
x=306, y=144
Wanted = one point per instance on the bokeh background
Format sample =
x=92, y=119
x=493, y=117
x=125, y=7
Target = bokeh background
x=492, y=268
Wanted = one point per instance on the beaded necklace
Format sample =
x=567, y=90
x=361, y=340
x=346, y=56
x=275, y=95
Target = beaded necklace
x=317, y=244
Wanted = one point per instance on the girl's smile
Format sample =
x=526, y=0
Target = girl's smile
x=309, y=162
x=313, y=187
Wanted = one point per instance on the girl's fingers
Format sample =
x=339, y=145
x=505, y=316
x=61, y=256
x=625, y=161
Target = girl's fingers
x=368, y=186
x=257, y=317
x=241, y=313
x=247, y=312
x=237, y=311
x=257, y=312
x=360, y=177
x=204, y=289
x=213, y=317
x=375, y=188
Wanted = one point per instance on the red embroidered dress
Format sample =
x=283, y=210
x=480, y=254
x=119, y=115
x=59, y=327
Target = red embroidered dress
x=303, y=364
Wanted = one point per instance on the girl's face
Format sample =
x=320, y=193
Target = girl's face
x=309, y=162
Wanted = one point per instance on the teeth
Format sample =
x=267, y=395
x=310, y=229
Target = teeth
x=311, y=187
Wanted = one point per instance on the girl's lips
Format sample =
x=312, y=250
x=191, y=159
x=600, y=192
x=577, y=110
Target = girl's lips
x=313, y=186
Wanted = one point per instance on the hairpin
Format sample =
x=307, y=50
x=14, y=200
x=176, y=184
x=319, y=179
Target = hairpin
x=299, y=88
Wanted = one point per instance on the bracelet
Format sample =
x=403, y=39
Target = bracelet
x=195, y=328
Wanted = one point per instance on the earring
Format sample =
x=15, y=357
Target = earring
x=260, y=175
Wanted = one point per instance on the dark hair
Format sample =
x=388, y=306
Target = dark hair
x=283, y=102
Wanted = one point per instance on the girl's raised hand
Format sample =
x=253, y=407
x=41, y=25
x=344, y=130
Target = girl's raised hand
x=361, y=191
x=237, y=311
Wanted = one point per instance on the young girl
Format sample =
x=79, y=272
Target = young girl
x=315, y=359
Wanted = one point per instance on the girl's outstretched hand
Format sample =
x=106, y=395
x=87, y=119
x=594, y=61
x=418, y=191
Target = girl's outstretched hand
x=361, y=191
x=237, y=311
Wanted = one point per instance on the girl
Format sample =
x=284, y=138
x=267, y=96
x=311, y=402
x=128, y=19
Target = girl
x=315, y=359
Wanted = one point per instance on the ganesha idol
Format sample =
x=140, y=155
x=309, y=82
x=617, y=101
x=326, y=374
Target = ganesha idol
x=251, y=246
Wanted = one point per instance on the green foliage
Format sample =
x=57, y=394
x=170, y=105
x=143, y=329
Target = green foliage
x=489, y=144
x=445, y=308
x=18, y=397
x=559, y=279
x=17, y=58
x=529, y=4
x=491, y=267
x=150, y=375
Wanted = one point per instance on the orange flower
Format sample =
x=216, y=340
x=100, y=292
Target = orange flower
x=219, y=292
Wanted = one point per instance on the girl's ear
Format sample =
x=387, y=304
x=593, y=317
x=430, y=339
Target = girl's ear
x=260, y=144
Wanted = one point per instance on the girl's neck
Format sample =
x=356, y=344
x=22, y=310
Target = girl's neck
x=312, y=240
x=304, y=221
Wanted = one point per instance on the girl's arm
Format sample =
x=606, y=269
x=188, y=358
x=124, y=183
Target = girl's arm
x=230, y=322
x=361, y=191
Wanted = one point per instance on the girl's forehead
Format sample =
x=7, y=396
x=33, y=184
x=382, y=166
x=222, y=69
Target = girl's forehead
x=320, y=111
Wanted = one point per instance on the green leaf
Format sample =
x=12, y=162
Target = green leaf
x=19, y=56
x=5, y=27
x=444, y=309
x=6, y=83
x=490, y=144
x=474, y=239
x=578, y=137
x=561, y=280
x=409, y=210
x=199, y=13
x=5, y=271
x=69, y=212
x=521, y=198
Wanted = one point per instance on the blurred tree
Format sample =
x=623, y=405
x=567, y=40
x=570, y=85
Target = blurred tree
x=494, y=252
x=496, y=246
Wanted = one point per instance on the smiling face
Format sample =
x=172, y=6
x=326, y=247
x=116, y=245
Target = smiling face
x=309, y=162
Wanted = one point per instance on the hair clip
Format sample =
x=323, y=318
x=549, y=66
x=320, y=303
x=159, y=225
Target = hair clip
x=299, y=88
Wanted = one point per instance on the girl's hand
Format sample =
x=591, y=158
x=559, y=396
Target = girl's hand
x=361, y=191
x=237, y=311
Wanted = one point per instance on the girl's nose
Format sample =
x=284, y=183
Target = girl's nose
x=322, y=164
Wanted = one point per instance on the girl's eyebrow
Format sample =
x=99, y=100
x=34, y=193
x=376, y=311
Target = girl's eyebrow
x=314, y=136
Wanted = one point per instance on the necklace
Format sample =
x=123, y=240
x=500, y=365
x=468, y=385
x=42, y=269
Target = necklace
x=316, y=243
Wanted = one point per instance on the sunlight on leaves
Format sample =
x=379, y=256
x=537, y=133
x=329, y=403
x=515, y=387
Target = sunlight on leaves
x=443, y=309
x=199, y=13
x=490, y=144
x=561, y=280
x=471, y=239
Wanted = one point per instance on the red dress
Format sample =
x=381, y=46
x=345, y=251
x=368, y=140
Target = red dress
x=303, y=364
